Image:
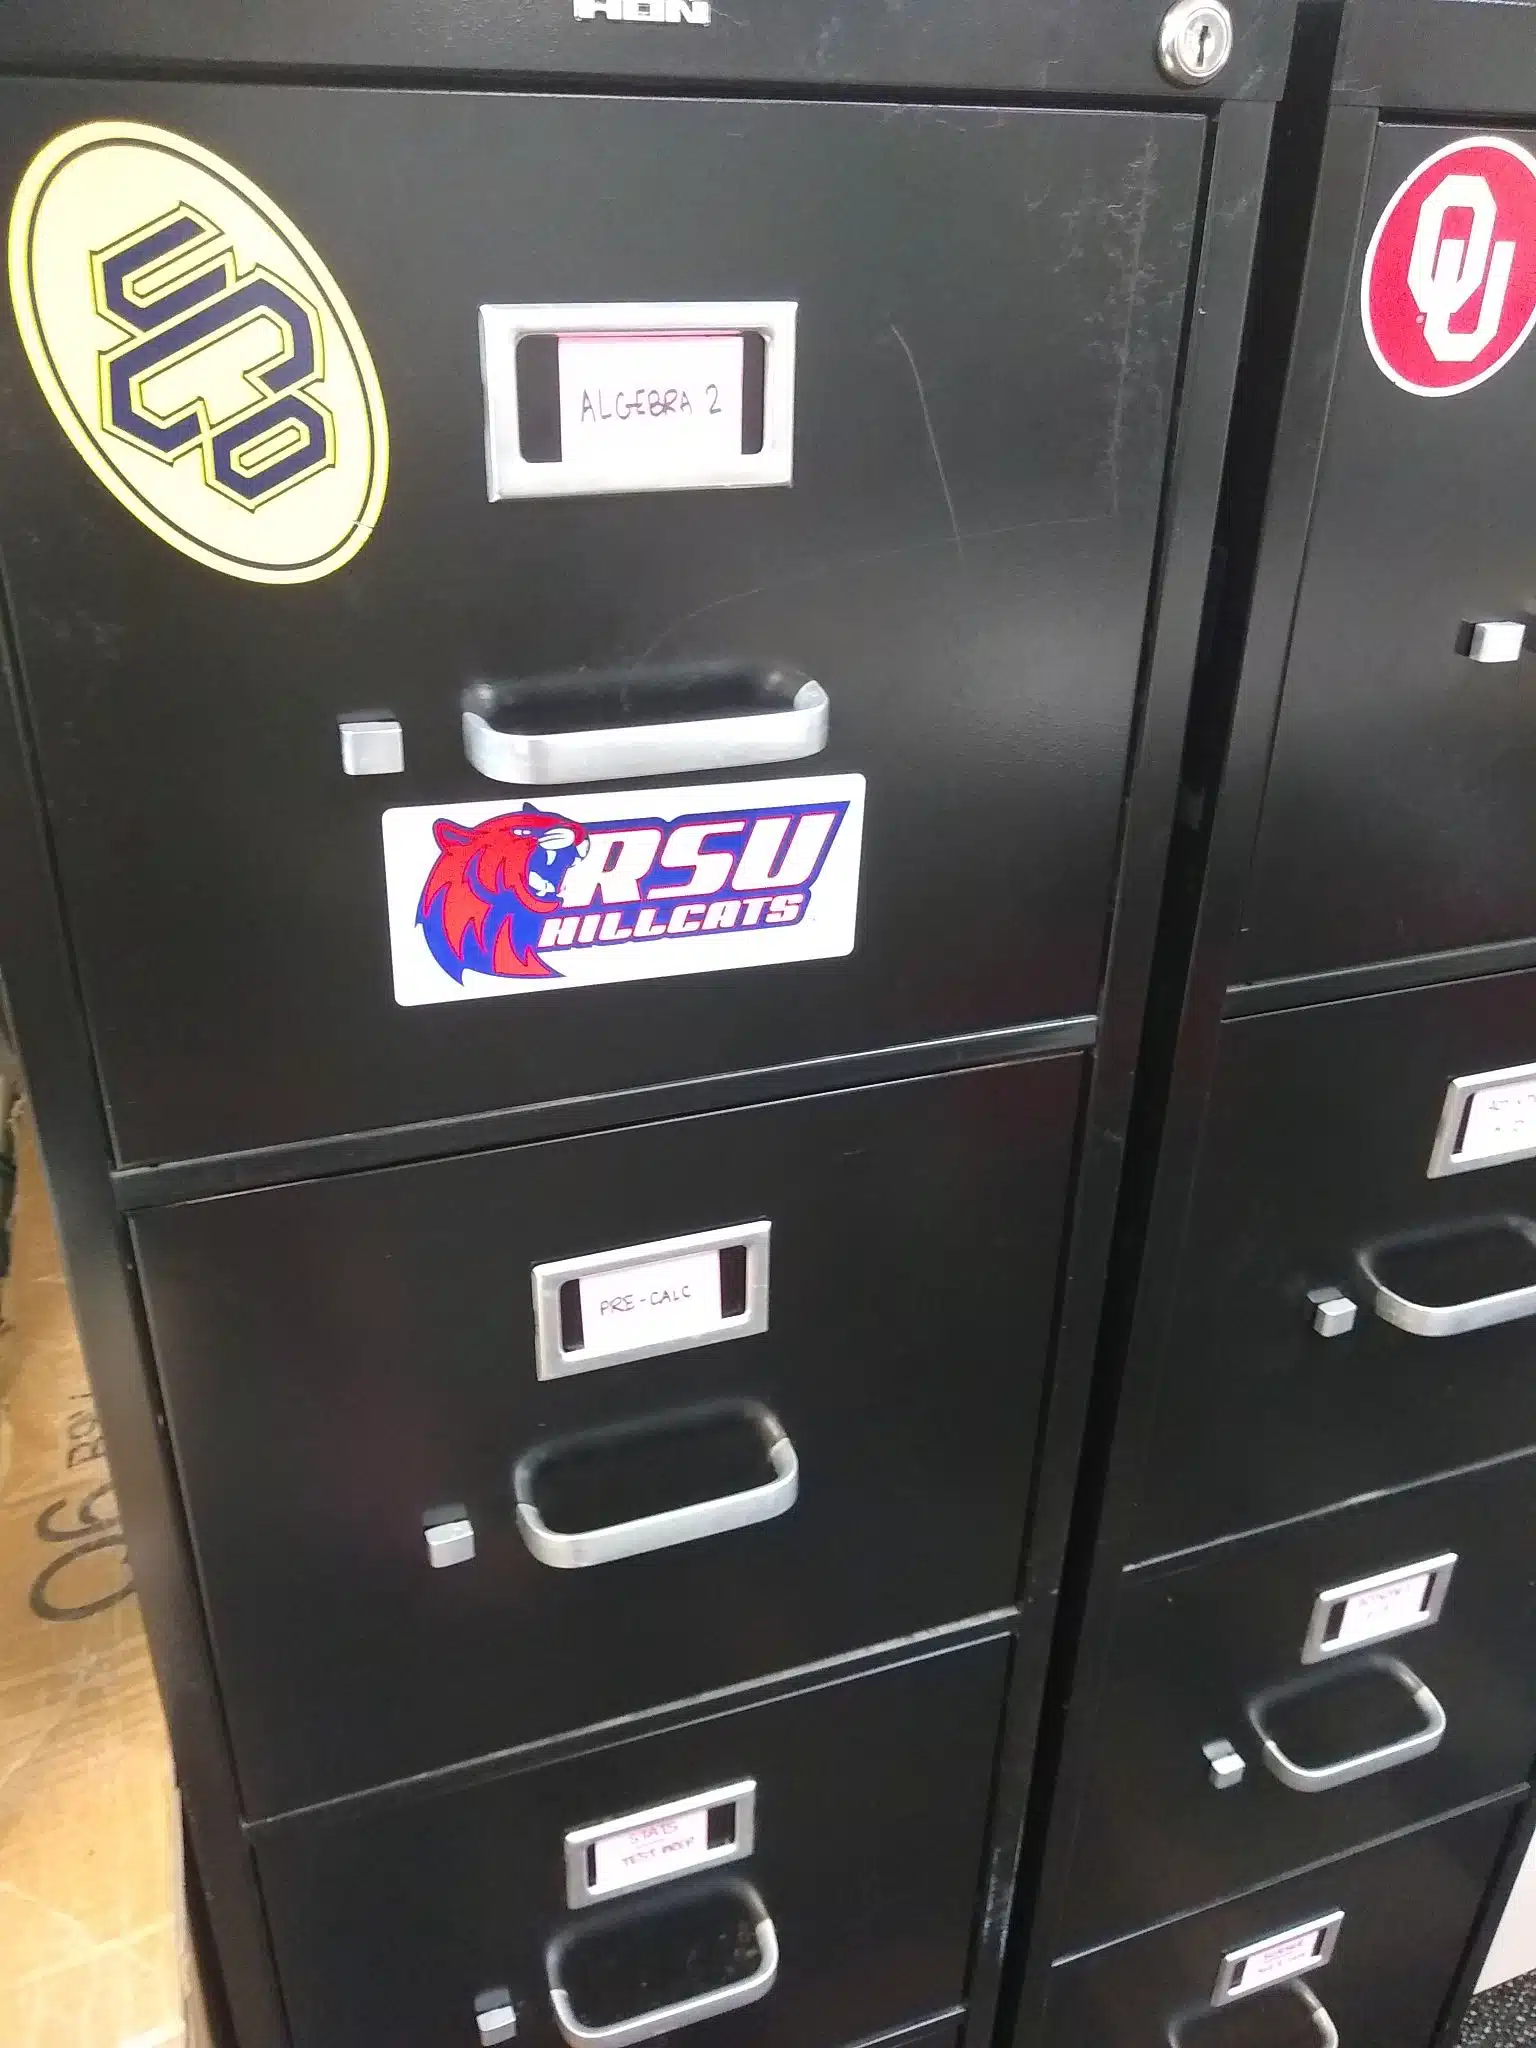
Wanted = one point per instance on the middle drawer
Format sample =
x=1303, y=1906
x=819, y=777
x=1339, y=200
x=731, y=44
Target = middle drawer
x=352, y=1372
x=1361, y=1672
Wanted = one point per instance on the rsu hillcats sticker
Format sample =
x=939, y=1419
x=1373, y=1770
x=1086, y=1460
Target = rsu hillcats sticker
x=494, y=899
x=197, y=352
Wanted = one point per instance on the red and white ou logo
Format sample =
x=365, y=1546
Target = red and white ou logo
x=1449, y=292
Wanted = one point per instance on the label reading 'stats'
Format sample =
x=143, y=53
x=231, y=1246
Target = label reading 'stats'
x=197, y=352
x=487, y=899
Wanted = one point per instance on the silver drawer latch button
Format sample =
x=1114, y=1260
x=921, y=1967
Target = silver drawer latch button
x=1227, y=1767
x=372, y=743
x=1333, y=1313
x=450, y=1537
x=495, y=2018
x=1494, y=640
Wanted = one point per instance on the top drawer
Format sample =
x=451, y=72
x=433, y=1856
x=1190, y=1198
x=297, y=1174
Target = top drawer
x=962, y=563
x=1398, y=818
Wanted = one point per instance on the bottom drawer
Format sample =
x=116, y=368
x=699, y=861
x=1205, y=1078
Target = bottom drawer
x=1362, y=1951
x=801, y=1874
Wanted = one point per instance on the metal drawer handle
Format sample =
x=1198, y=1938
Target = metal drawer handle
x=1421, y=1320
x=576, y=1551
x=1321, y=2017
x=1302, y=1779
x=663, y=2019
x=582, y=728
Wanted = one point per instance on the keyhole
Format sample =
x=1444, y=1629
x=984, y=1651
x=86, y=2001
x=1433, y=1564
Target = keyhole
x=1205, y=43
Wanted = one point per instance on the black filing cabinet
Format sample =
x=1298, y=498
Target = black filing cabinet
x=600, y=606
x=1300, y=1717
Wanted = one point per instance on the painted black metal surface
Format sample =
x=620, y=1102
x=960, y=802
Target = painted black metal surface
x=1197, y=1642
x=1316, y=1149
x=963, y=560
x=341, y=1357
x=1055, y=47
x=1397, y=819
x=1439, y=55
x=871, y=1812
x=1409, y=1907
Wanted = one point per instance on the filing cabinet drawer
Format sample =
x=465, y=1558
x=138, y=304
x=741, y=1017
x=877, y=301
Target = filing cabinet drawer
x=1389, y=1925
x=962, y=564
x=1397, y=819
x=870, y=1805
x=342, y=1359
x=1322, y=1149
x=1368, y=1668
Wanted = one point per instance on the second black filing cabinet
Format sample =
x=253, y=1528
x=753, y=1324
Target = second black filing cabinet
x=1300, y=1718
x=601, y=599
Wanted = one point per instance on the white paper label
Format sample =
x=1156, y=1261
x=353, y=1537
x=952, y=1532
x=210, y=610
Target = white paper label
x=502, y=898
x=638, y=1855
x=1285, y=1957
x=1382, y=1612
x=1500, y=1119
x=653, y=1304
x=658, y=407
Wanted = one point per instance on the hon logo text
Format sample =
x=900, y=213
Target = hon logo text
x=675, y=13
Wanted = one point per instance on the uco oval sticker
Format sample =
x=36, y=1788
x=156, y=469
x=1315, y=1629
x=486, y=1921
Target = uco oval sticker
x=198, y=353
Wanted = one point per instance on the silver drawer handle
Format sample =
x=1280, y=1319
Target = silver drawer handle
x=1421, y=1320
x=1321, y=2017
x=1302, y=1779
x=576, y=1551
x=507, y=735
x=663, y=2019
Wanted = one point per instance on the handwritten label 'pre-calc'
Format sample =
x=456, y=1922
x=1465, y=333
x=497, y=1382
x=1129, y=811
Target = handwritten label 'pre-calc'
x=651, y=1304
x=654, y=406
x=639, y=1855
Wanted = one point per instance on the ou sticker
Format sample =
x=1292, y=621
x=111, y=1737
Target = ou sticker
x=1449, y=291
x=197, y=352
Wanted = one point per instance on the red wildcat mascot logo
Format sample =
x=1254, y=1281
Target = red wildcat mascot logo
x=491, y=888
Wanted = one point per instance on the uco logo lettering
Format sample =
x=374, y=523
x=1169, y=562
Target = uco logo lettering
x=1449, y=291
x=683, y=13
x=198, y=353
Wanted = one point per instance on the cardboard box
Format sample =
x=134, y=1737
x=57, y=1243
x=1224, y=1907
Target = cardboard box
x=92, y=1939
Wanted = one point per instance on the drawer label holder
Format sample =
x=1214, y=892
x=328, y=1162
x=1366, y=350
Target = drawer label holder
x=652, y=1847
x=1376, y=1609
x=1277, y=1958
x=591, y=399
x=645, y=1300
x=1487, y=1120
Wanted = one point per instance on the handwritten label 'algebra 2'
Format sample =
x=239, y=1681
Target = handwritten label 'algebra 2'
x=651, y=402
